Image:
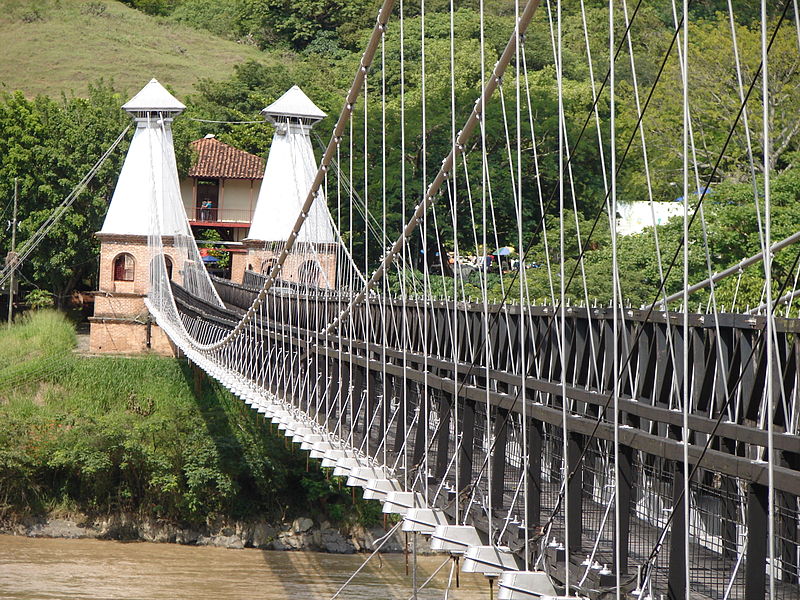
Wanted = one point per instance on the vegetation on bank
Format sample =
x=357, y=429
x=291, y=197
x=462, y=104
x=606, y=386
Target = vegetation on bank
x=105, y=434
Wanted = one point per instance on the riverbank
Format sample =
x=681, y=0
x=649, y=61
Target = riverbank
x=157, y=451
x=302, y=533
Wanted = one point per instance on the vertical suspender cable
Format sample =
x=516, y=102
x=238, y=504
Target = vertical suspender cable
x=485, y=281
x=339, y=349
x=367, y=315
x=386, y=396
x=455, y=346
x=770, y=392
x=351, y=328
x=522, y=278
x=685, y=359
x=426, y=288
x=562, y=298
x=404, y=261
x=616, y=300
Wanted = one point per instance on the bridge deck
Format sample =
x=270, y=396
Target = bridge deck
x=404, y=402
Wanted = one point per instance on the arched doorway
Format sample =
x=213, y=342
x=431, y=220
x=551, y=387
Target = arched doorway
x=310, y=272
x=267, y=264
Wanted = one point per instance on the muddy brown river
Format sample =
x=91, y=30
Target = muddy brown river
x=92, y=569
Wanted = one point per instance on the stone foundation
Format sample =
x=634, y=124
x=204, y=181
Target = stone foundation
x=301, y=534
x=128, y=336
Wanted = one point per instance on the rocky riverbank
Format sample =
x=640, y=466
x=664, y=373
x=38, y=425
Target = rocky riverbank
x=301, y=534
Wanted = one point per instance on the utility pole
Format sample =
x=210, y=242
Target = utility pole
x=12, y=256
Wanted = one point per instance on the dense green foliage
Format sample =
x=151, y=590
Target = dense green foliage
x=267, y=23
x=128, y=434
x=49, y=145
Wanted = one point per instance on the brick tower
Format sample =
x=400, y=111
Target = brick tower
x=121, y=322
x=288, y=176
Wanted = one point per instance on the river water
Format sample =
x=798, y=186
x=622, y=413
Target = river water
x=38, y=569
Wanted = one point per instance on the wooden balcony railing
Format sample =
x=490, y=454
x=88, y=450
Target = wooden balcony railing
x=219, y=215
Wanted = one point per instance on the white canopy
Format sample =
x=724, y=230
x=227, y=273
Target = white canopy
x=290, y=171
x=294, y=103
x=149, y=176
x=154, y=98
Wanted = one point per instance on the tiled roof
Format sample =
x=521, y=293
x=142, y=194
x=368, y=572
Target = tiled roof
x=218, y=159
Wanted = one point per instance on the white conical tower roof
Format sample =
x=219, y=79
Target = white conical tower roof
x=294, y=103
x=149, y=175
x=154, y=98
x=289, y=174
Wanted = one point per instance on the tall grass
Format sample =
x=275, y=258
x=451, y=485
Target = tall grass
x=36, y=347
x=37, y=333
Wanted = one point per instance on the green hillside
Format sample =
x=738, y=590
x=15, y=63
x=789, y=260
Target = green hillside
x=50, y=46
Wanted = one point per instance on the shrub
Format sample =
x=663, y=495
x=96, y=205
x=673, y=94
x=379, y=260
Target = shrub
x=38, y=299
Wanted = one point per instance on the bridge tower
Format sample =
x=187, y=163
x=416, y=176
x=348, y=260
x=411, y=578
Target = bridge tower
x=288, y=177
x=121, y=321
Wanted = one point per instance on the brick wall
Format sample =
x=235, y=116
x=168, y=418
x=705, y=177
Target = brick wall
x=112, y=246
x=120, y=336
x=121, y=322
x=119, y=306
x=259, y=258
x=238, y=265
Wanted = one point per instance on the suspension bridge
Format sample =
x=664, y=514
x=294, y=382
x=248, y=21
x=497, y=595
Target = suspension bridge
x=563, y=448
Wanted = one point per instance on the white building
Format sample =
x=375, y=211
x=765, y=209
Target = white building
x=222, y=187
x=634, y=217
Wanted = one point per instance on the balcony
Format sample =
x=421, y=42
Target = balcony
x=229, y=217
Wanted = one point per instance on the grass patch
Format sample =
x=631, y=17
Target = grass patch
x=37, y=346
x=67, y=45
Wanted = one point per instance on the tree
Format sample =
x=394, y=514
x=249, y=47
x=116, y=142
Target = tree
x=220, y=18
x=50, y=145
x=715, y=104
x=296, y=22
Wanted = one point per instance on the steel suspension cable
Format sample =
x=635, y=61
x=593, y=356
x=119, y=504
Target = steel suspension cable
x=53, y=218
x=770, y=400
x=447, y=165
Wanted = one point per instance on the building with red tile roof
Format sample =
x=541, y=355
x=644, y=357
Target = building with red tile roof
x=222, y=187
x=218, y=159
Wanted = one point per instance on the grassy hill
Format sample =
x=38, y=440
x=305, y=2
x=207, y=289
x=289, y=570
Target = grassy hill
x=50, y=46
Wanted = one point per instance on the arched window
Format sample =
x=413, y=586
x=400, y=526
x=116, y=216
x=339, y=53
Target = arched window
x=309, y=272
x=167, y=265
x=124, y=267
x=267, y=265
